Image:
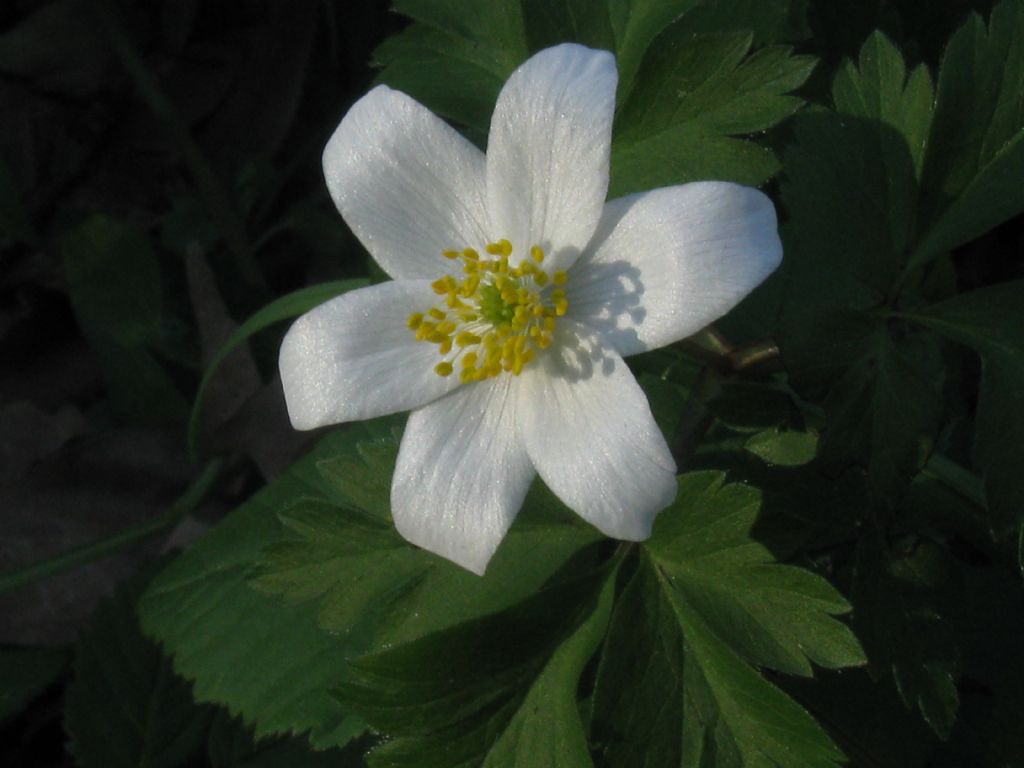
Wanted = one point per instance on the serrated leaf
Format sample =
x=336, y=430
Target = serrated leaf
x=470, y=694
x=851, y=189
x=692, y=97
x=773, y=615
x=456, y=56
x=363, y=480
x=546, y=730
x=991, y=321
x=237, y=644
x=975, y=155
x=756, y=721
x=368, y=576
x=125, y=707
x=346, y=570
x=635, y=24
x=231, y=745
x=675, y=685
x=904, y=633
x=880, y=88
x=638, y=713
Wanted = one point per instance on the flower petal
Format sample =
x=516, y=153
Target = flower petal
x=590, y=434
x=407, y=184
x=663, y=264
x=353, y=357
x=548, y=151
x=462, y=474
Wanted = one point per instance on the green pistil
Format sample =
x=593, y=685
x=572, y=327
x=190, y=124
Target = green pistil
x=493, y=308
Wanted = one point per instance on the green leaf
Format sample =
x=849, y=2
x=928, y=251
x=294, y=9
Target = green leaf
x=280, y=309
x=903, y=630
x=693, y=96
x=851, y=188
x=975, y=156
x=342, y=569
x=635, y=24
x=991, y=321
x=456, y=56
x=885, y=411
x=773, y=615
x=880, y=88
x=115, y=287
x=550, y=22
x=26, y=673
x=546, y=730
x=125, y=707
x=755, y=720
x=770, y=21
x=474, y=692
x=368, y=576
x=231, y=745
x=240, y=646
x=675, y=685
x=638, y=712
x=786, y=449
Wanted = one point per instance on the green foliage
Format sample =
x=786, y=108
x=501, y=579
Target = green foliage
x=693, y=95
x=226, y=636
x=334, y=543
x=456, y=56
x=976, y=146
x=880, y=88
x=991, y=321
x=689, y=86
x=900, y=625
x=706, y=602
x=785, y=449
x=128, y=708
x=496, y=692
x=776, y=616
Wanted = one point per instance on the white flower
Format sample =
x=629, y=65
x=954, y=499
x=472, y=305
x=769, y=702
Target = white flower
x=517, y=291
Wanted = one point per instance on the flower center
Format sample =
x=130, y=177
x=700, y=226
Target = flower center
x=496, y=317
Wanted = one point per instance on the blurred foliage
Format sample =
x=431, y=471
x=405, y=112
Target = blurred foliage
x=850, y=435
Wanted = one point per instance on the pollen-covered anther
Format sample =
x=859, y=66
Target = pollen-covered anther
x=494, y=319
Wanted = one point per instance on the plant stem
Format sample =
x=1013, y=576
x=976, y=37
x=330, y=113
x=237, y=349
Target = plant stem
x=960, y=480
x=753, y=355
x=87, y=553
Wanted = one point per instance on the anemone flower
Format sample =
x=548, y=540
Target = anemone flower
x=516, y=293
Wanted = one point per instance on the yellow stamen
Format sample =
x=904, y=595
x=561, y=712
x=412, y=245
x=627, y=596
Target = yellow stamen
x=496, y=317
